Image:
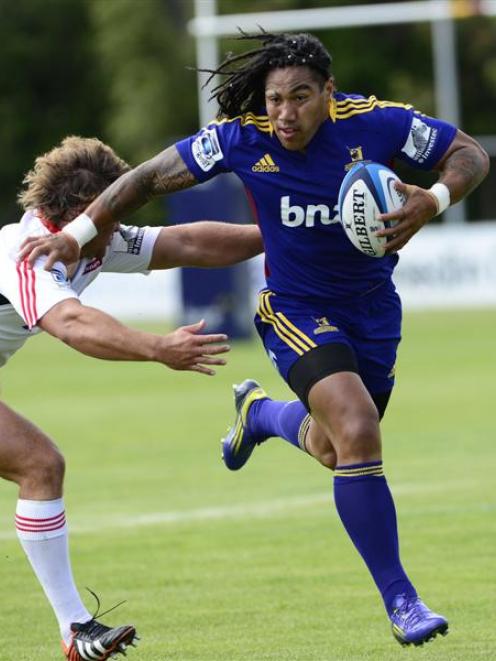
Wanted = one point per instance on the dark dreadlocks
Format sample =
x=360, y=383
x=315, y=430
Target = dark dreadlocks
x=243, y=87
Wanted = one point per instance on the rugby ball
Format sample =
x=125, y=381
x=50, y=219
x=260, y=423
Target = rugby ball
x=367, y=191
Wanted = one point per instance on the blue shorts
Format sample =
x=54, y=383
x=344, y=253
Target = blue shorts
x=369, y=324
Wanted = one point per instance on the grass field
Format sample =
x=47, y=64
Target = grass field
x=255, y=565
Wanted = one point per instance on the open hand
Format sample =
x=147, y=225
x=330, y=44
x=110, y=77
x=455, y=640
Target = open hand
x=187, y=349
x=59, y=247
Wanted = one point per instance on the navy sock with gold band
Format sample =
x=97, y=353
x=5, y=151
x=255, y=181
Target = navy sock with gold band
x=366, y=508
x=288, y=420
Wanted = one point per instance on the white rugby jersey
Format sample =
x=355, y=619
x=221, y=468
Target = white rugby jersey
x=27, y=294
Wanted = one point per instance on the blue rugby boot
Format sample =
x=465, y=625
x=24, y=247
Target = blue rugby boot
x=239, y=443
x=413, y=623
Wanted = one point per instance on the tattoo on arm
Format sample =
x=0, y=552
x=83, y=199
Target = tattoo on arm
x=168, y=173
x=464, y=169
x=164, y=173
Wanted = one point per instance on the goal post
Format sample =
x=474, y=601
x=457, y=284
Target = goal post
x=208, y=27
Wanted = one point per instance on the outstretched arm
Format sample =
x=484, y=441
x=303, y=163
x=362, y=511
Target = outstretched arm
x=461, y=169
x=205, y=244
x=95, y=333
x=164, y=173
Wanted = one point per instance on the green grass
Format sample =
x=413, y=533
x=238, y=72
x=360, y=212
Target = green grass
x=255, y=565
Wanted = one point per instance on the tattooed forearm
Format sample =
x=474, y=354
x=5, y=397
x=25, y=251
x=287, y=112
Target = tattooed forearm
x=164, y=173
x=464, y=169
x=169, y=173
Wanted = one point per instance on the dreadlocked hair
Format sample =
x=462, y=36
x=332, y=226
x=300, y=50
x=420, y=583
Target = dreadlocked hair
x=65, y=180
x=243, y=87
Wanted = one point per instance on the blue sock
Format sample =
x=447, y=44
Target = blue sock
x=288, y=420
x=366, y=508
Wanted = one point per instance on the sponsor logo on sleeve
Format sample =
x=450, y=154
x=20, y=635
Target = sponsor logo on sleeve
x=130, y=240
x=206, y=149
x=92, y=265
x=420, y=142
x=134, y=244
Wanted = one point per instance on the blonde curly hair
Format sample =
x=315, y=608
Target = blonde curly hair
x=65, y=180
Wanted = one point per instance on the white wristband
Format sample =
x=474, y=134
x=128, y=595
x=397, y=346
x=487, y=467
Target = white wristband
x=441, y=194
x=82, y=229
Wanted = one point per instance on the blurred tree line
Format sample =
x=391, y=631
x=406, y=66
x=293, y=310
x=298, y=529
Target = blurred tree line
x=119, y=70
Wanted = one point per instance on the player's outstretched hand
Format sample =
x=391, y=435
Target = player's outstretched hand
x=59, y=247
x=187, y=349
x=419, y=208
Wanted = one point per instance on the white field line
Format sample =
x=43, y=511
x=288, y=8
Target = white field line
x=268, y=509
x=242, y=511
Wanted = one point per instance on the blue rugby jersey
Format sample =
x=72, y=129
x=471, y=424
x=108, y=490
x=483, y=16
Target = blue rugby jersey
x=294, y=194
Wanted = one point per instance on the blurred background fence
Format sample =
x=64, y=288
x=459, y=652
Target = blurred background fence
x=121, y=70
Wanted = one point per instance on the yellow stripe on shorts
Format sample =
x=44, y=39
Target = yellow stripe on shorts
x=285, y=329
x=280, y=330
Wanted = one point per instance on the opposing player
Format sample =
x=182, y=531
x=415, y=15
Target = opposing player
x=62, y=183
x=330, y=318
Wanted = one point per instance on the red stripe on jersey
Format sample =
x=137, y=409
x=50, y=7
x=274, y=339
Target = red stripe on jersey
x=25, y=277
x=20, y=273
x=32, y=295
x=51, y=227
x=27, y=293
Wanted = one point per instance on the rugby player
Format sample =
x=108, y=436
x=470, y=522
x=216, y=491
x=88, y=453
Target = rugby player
x=330, y=317
x=61, y=184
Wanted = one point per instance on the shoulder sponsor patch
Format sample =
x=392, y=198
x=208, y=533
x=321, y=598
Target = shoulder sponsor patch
x=421, y=140
x=206, y=149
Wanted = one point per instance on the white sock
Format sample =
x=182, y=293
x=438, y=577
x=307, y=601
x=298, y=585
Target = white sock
x=42, y=531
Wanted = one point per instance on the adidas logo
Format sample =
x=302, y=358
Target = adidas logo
x=265, y=164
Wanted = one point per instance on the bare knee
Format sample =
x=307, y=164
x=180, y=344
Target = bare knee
x=51, y=470
x=42, y=475
x=357, y=440
x=29, y=458
x=35, y=464
x=347, y=415
x=328, y=459
x=359, y=437
x=319, y=445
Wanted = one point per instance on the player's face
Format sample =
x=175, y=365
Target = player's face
x=297, y=104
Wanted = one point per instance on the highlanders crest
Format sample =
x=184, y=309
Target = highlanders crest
x=356, y=155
